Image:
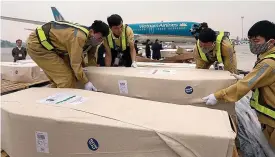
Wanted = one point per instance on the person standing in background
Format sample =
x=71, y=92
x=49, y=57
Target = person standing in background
x=147, y=49
x=19, y=52
x=156, y=47
x=161, y=45
x=136, y=42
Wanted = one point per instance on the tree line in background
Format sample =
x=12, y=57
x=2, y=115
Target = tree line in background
x=8, y=44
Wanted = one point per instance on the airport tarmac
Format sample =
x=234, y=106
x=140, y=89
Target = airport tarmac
x=245, y=58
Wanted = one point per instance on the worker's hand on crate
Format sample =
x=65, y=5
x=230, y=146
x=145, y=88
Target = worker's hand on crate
x=134, y=64
x=210, y=100
x=90, y=86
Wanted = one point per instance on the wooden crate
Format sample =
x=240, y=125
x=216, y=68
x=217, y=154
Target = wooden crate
x=9, y=86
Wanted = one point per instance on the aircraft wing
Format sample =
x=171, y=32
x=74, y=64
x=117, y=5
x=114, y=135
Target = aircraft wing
x=56, y=14
x=29, y=29
x=22, y=20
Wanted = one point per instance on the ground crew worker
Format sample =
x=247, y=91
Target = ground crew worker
x=261, y=80
x=211, y=48
x=57, y=48
x=196, y=29
x=19, y=52
x=119, y=45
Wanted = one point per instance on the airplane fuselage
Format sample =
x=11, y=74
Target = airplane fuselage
x=164, y=31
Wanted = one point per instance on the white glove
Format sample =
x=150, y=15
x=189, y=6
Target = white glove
x=210, y=100
x=90, y=86
x=238, y=77
x=134, y=64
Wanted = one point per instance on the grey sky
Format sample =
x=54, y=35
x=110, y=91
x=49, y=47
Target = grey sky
x=219, y=15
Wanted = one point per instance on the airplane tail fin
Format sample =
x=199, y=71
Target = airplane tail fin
x=57, y=16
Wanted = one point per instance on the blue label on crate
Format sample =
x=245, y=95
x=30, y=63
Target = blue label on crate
x=189, y=90
x=93, y=144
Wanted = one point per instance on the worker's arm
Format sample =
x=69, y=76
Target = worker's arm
x=200, y=64
x=108, y=53
x=259, y=77
x=74, y=46
x=130, y=40
x=92, y=56
x=229, y=57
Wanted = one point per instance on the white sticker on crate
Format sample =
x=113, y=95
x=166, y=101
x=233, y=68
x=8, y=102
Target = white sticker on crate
x=42, y=142
x=63, y=98
x=123, y=87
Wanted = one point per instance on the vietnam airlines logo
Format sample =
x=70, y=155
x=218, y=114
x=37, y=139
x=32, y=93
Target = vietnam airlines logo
x=183, y=25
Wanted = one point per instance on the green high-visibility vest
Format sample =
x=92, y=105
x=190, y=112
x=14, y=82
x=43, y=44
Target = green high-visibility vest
x=123, y=40
x=44, y=39
x=254, y=101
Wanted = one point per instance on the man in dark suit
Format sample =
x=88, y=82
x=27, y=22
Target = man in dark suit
x=19, y=52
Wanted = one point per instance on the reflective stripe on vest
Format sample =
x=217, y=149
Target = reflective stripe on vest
x=217, y=47
x=254, y=101
x=111, y=42
x=43, y=39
